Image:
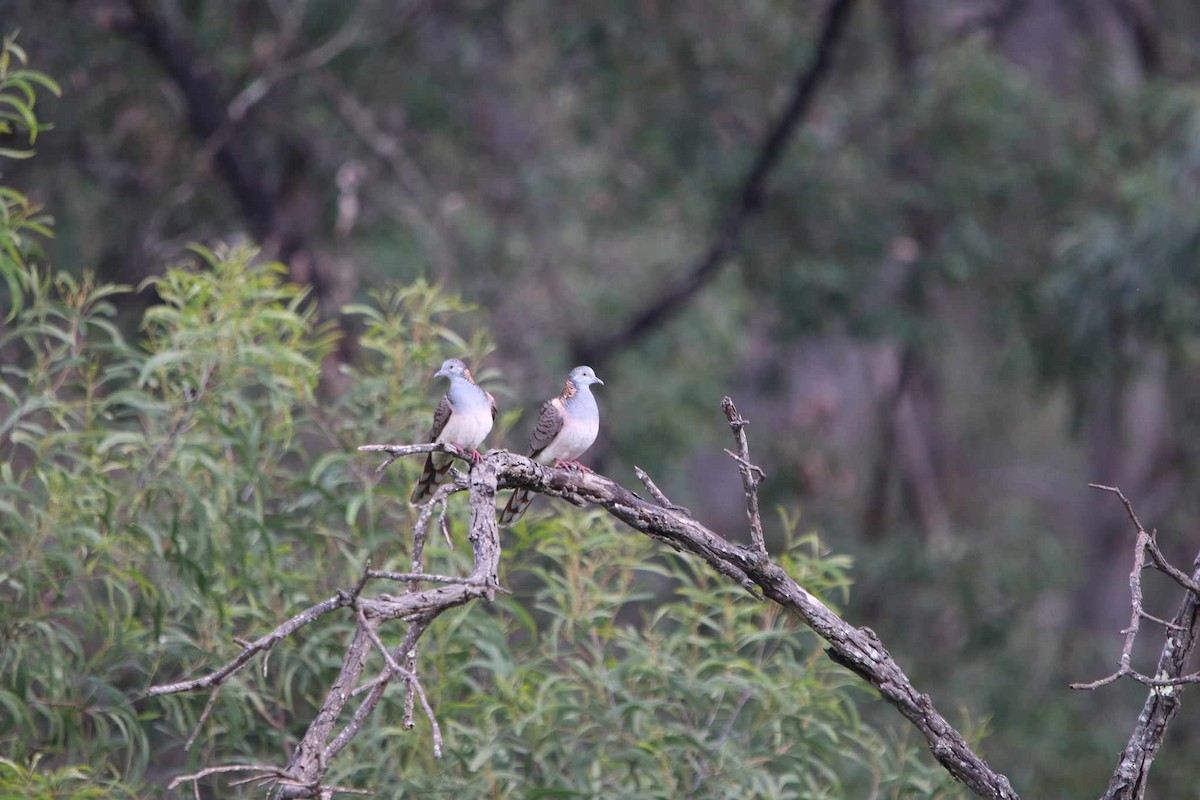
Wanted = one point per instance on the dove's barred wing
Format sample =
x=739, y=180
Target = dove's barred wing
x=549, y=424
x=441, y=415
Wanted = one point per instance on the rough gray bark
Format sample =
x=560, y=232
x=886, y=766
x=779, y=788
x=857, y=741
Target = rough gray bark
x=1132, y=774
x=1130, y=778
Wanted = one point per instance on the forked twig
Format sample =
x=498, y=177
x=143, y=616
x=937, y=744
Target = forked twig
x=752, y=475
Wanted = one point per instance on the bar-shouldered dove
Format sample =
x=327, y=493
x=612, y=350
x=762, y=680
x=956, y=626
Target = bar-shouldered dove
x=463, y=418
x=566, y=427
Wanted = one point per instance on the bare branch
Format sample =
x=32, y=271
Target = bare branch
x=204, y=773
x=1132, y=773
x=655, y=492
x=858, y=649
x=208, y=707
x=1151, y=545
x=751, y=474
x=410, y=676
x=341, y=600
x=417, y=576
x=376, y=688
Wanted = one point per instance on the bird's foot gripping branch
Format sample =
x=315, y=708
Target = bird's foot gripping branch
x=355, y=693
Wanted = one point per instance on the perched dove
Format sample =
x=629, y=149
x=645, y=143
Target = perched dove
x=565, y=428
x=463, y=418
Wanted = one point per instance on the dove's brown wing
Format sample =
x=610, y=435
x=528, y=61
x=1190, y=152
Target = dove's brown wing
x=549, y=423
x=440, y=416
x=436, y=464
x=492, y=400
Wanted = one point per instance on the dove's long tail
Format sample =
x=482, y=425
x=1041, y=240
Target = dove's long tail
x=437, y=465
x=520, y=500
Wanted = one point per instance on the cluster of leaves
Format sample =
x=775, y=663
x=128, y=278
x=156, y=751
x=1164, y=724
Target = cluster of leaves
x=21, y=221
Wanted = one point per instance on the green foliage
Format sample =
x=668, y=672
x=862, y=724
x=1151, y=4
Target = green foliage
x=21, y=221
x=33, y=782
x=162, y=499
x=1128, y=274
x=18, y=96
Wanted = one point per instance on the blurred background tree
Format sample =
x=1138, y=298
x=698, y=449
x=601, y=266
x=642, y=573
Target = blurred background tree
x=967, y=287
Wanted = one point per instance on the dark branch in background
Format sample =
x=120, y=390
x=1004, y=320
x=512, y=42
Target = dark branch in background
x=994, y=22
x=595, y=350
x=418, y=198
x=1138, y=17
x=206, y=113
x=1132, y=774
x=264, y=174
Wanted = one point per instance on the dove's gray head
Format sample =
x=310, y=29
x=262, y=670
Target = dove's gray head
x=453, y=368
x=583, y=376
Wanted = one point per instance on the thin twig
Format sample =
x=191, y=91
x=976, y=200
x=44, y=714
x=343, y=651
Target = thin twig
x=208, y=707
x=410, y=677
x=217, y=677
x=1124, y=501
x=1156, y=555
x=383, y=574
x=751, y=474
x=204, y=773
x=375, y=689
x=1135, y=617
x=442, y=523
x=397, y=451
x=1160, y=561
x=652, y=487
x=1169, y=625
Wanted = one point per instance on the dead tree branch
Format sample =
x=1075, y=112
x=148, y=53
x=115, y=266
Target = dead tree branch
x=751, y=475
x=304, y=776
x=1132, y=774
x=857, y=649
x=206, y=112
x=595, y=350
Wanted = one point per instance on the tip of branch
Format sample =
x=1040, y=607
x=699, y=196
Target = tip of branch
x=736, y=420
